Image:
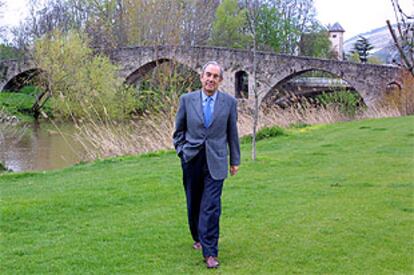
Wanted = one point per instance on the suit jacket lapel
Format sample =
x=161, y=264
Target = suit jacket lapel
x=197, y=105
x=218, y=106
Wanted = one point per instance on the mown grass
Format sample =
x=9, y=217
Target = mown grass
x=319, y=200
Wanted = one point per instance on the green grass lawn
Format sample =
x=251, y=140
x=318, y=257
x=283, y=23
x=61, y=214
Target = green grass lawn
x=319, y=200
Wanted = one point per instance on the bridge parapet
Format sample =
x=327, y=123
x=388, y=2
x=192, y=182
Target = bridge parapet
x=272, y=69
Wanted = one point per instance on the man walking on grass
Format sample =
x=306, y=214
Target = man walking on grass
x=205, y=135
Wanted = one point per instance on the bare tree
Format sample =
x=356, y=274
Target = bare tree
x=2, y=28
x=301, y=15
x=185, y=22
x=252, y=15
x=117, y=23
x=44, y=17
x=197, y=21
x=403, y=36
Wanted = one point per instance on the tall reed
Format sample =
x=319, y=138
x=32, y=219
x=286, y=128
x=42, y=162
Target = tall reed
x=153, y=131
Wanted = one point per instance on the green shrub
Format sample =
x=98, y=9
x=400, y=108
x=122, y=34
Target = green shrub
x=16, y=102
x=347, y=102
x=264, y=134
x=298, y=125
x=83, y=84
x=30, y=90
x=2, y=168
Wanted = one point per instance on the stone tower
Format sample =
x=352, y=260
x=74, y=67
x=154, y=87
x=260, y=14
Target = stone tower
x=336, y=35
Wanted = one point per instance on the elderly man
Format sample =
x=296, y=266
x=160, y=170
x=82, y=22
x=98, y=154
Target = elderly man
x=205, y=135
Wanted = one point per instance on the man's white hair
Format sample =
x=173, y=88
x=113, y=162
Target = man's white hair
x=212, y=62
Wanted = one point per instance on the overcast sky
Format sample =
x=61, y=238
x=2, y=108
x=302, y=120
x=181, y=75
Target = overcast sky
x=355, y=16
x=359, y=16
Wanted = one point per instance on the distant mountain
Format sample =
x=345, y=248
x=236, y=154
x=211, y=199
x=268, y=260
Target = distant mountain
x=381, y=39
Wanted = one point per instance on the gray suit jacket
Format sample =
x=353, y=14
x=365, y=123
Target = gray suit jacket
x=220, y=139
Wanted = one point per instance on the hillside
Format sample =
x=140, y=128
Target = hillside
x=319, y=200
x=381, y=39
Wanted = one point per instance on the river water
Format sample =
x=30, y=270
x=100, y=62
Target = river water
x=38, y=146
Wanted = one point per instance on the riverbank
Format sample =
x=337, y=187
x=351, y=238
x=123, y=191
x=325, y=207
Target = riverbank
x=321, y=199
x=17, y=106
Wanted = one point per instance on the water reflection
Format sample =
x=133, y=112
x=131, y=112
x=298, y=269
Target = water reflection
x=38, y=146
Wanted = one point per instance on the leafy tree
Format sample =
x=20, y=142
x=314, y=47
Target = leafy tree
x=229, y=26
x=272, y=29
x=362, y=48
x=283, y=22
x=353, y=56
x=280, y=24
x=316, y=44
x=80, y=83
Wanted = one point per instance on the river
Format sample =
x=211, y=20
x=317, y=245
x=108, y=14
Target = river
x=38, y=146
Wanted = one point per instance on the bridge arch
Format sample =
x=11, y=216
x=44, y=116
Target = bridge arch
x=144, y=69
x=358, y=86
x=188, y=79
x=19, y=80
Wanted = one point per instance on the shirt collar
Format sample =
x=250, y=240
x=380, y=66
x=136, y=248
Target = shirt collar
x=204, y=96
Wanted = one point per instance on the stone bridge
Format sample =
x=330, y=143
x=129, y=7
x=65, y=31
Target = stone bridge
x=370, y=81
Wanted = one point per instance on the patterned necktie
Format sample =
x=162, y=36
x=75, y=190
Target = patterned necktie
x=207, y=112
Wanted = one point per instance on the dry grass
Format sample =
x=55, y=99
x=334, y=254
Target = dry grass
x=153, y=131
x=303, y=113
x=401, y=98
x=114, y=139
x=398, y=101
x=148, y=132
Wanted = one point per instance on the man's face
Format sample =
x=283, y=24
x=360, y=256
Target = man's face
x=210, y=79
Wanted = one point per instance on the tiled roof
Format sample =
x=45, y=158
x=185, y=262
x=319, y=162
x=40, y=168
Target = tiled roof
x=336, y=28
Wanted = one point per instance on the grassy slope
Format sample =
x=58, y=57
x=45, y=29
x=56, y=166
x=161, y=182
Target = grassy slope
x=325, y=199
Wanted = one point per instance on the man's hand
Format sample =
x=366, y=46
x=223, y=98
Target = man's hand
x=234, y=169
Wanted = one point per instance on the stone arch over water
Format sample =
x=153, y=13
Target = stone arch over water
x=364, y=86
x=164, y=75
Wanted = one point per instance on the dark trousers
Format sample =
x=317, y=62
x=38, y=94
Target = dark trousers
x=203, y=195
